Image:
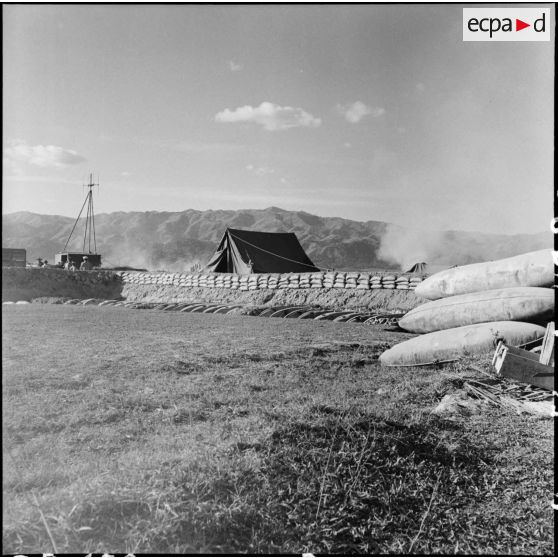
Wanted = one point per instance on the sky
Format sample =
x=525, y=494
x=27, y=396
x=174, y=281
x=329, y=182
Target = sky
x=367, y=112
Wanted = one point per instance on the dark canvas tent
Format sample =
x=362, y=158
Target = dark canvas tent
x=421, y=267
x=246, y=252
x=428, y=269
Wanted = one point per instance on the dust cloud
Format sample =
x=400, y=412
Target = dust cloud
x=406, y=247
x=125, y=254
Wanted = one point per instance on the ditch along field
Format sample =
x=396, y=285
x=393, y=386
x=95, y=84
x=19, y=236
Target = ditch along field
x=163, y=432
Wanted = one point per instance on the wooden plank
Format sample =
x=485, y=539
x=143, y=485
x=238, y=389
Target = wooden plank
x=502, y=350
x=520, y=365
x=524, y=354
x=547, y=351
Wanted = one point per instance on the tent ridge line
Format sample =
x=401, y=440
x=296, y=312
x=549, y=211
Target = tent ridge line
x=272, y=254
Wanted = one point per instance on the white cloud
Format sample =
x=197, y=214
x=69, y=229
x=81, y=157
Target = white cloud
x=269, y=115
x=259, y=171
x=356, y=111
x=235, y=66
x=47, y=156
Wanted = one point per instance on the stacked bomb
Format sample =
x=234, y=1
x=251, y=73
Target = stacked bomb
x=474, y=306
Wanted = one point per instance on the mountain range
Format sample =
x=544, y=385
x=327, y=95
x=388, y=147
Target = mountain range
x=179, y=241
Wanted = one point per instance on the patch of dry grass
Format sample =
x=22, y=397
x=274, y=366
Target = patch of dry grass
x=163, y=432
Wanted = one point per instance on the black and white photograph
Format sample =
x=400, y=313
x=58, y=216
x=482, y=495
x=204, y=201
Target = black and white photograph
x=278, y=279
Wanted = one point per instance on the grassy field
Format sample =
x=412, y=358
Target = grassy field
x=162, y=432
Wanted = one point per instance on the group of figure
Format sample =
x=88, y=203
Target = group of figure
x=41, y=263
x=69, y=265
x=85, y=265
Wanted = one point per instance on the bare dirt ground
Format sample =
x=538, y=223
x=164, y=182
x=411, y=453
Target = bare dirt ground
x=164, y=432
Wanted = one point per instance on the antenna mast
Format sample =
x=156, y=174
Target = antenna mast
x=89, y=233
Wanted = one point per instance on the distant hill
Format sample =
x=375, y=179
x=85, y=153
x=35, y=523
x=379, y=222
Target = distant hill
x=177, y=241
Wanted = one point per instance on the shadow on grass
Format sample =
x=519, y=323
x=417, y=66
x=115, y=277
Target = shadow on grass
x=344, y=484
x=349, y=485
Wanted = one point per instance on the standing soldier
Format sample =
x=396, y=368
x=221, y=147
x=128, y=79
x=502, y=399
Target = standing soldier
x=85, y=265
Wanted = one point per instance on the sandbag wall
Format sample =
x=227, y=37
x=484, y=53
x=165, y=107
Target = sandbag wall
x=320, y=280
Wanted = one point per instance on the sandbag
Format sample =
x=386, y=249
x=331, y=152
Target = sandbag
x=521, y=304
x=533, y=269
x=455, y=343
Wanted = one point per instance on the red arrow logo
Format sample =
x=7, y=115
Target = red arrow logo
x=519, y=25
